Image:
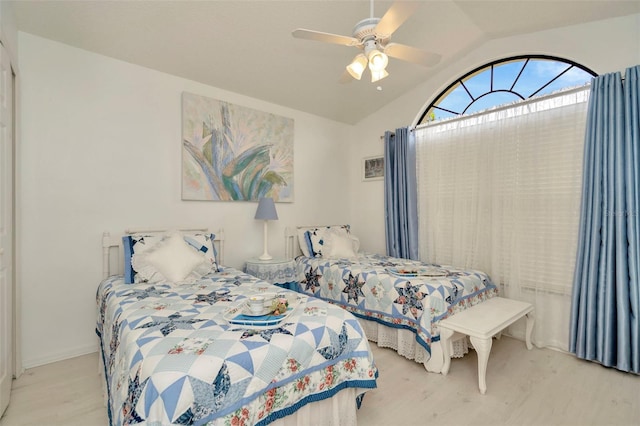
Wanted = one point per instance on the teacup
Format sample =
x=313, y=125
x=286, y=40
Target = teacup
x=256, y=304
x=268, y=298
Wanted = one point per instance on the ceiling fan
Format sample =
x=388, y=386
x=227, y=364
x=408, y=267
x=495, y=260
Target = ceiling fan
x=372, y=36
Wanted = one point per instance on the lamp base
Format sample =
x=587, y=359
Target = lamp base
x=266, y=256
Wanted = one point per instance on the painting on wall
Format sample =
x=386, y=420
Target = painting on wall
x=234, y=153
x=373, y=168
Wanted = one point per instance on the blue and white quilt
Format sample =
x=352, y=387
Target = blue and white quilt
x=395, y=292
x=171, y=357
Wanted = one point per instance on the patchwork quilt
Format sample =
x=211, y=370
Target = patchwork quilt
x=172, y=357
x=398, y=293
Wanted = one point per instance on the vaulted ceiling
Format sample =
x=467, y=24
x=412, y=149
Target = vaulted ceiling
x=247, y=47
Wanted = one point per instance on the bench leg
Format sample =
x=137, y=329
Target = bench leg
x=483, y=348
x=530, y=320
x=445, y=335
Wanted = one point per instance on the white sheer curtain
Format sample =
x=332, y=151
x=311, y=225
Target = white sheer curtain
x=500, y=191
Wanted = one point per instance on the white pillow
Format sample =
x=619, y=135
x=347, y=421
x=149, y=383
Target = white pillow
x=172, y=260
x=355, y=241
x=340, y=243
x=339, y=246
x=140, y=243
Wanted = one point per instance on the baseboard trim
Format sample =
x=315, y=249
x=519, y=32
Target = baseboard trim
x=61, y=356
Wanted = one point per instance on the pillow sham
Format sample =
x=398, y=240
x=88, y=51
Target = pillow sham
x=172, y=259
x=339, y=245
x=204, y=243
x=315, y=238
x=137, y=243
x=140, y=243
x=302, y=242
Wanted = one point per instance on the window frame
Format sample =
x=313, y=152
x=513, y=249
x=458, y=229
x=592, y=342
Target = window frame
x=490, y=66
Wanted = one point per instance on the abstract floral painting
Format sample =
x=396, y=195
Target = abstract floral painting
x=234, y=153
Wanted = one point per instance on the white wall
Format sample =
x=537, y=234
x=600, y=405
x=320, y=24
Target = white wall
x=8, y=31
x=101, y=150
x=603, y=46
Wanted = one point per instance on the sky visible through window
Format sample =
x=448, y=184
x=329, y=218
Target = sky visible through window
x=479, y=91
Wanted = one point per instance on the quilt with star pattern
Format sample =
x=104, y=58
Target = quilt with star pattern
x=395, y=292
x=171, y=357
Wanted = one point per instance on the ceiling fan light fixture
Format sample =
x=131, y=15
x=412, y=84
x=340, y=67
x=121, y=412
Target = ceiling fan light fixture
x=373, y=36
x=378, y=75
x=357, y=66
x=377, y=60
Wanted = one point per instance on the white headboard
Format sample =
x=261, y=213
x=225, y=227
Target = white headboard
x=291, y=245
x=113, y=256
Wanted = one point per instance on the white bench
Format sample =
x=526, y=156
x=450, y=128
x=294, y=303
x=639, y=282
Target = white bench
x=481, y=322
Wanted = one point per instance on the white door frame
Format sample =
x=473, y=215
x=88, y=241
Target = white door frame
x=17, y=293
x=7, y=244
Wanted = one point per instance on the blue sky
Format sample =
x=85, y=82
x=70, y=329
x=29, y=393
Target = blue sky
x=536, y=73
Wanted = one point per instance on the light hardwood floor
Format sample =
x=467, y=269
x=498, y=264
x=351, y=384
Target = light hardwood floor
x=537, y=387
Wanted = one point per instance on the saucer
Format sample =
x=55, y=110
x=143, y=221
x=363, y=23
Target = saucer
x=243, y=316
x=248, y=312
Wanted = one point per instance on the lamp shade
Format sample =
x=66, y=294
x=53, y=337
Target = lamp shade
x=378, y=75
x=266, y=209
x=356, y=68
x=377, y=60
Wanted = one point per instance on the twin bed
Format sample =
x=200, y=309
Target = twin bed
x=400, y=300
x=179, y=347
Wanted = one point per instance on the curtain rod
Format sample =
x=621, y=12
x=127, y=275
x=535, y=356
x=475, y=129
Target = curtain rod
x=411, y=129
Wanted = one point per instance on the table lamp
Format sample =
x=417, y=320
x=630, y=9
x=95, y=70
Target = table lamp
x=266, y=211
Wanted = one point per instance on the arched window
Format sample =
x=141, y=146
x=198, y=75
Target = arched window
x=500, y=186
x=505, y=81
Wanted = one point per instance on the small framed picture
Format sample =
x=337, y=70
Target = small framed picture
x=373, y=168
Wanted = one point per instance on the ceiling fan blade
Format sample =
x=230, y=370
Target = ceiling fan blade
x=394, y=17
x=412, y=54
x=325, y=37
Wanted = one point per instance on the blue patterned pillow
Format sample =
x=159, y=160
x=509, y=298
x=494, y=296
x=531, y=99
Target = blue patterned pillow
x=315, y=238
x=139, y=243
x=204, y=243
x=136, y=244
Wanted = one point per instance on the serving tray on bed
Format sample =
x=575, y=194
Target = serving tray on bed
x=242, y=315
x=418, y=272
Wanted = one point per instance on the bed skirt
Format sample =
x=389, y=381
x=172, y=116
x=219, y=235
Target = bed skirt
x=404, y=343
x=337, y=410
x=340, y=409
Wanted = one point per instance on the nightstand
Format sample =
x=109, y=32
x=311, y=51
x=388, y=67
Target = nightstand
x=278, y=271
